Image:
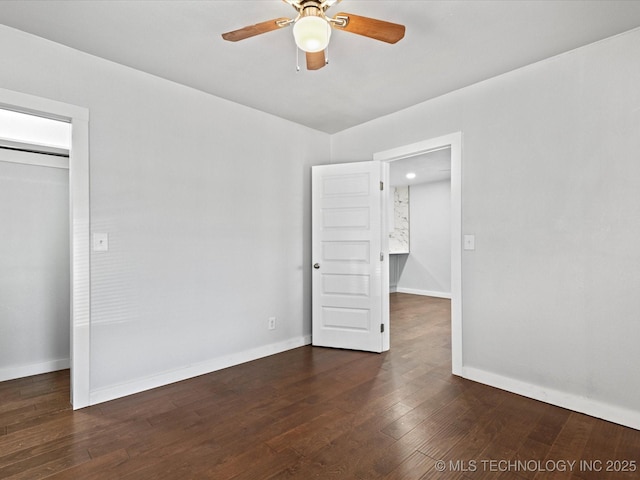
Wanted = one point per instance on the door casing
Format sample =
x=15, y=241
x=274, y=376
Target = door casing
x=79, y=224
x=453, y=141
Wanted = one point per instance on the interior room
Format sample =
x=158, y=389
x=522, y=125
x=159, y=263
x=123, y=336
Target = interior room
x=189, y=182
x=420, y=233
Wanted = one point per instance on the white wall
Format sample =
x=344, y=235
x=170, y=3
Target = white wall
x=207, y=207
x=550, y=181
x=34, y=268
x=427, y=270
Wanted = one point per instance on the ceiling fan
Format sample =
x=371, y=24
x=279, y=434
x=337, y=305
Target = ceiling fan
x=312, y=28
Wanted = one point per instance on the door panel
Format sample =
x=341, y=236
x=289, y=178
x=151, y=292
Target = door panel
x=347, y=273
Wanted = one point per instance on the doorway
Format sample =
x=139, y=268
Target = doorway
x=420, y=224
x=78, y=117
x=454, y=143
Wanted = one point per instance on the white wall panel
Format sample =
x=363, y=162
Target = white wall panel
x=345, y=284
x=355, y=251
x=207, y=207
x=550, y=187
x=345, y=218
x=346, y=319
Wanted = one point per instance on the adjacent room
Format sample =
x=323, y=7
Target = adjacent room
x=420, y=232
x=160, y=271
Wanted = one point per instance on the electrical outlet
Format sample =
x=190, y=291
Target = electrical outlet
x=272, y=323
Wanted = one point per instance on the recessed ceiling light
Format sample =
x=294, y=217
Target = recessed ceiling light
x=411, y=175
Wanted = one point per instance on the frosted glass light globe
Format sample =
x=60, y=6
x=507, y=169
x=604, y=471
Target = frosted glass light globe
x=312, y=34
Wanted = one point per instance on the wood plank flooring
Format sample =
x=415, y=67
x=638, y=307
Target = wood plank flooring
x=313, y=413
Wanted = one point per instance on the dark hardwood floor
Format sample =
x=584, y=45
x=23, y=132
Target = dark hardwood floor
x=313, y=413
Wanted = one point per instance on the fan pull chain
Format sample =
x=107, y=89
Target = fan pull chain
x=326, y=50
x=297, y=59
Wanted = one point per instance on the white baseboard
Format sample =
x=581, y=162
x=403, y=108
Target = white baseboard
x=11, y=373
x=393, y=288
x=165, y=378
x=426, y=293
x=593, y=408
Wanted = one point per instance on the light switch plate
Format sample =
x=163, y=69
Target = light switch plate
x=100, y=242
x=469, y=242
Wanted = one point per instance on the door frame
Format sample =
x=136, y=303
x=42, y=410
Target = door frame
x=79, y=223
x=453, y=141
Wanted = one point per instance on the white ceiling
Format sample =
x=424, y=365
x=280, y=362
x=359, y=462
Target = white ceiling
x=448, y=45
x=434, y=166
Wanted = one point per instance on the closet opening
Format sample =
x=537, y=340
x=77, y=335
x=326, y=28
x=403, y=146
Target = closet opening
x=35, y=276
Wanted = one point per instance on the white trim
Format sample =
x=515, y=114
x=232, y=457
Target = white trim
x=33, y=147
x=171, y=376
x=20, y=371
x=44, y=107
x=622, y=416
x=386, y=260
x=426, y=293
x=32, y=158
x=79, y=223
x=454, y=141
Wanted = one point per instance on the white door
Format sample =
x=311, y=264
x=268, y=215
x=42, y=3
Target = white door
x=350, y=269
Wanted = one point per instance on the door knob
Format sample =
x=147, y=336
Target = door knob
x=316, y=265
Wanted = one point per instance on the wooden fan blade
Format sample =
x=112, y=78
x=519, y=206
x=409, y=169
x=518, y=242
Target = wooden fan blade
x=316, y=60
x=253, y=30
x=372, y=28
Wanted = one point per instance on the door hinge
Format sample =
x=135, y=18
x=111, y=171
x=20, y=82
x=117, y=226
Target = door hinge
x=381, y=185
x=381, y=257
x=382, y=328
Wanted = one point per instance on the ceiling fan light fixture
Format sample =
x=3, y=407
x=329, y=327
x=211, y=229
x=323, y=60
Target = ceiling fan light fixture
x=312, y=33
